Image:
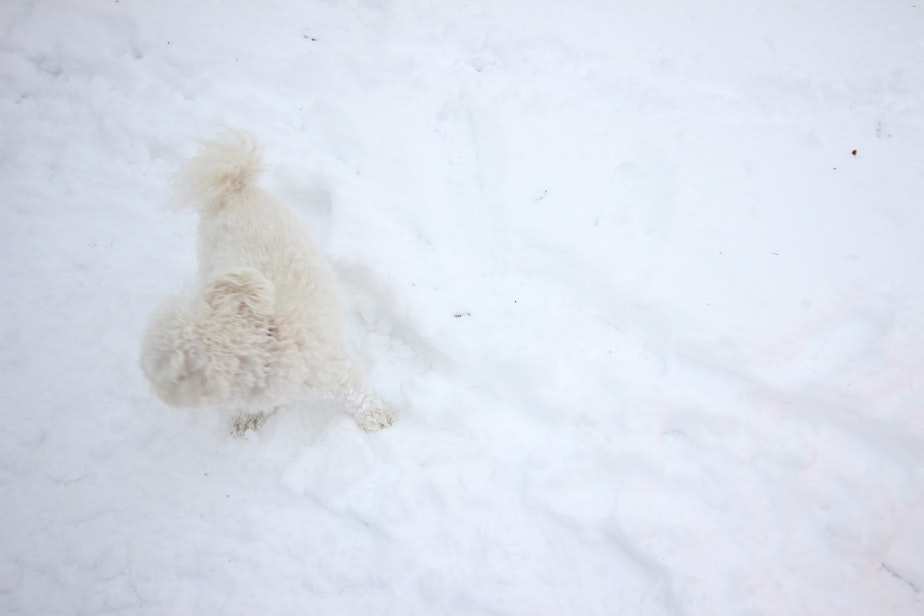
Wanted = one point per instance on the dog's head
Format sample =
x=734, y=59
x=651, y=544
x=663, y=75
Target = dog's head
x=215, y=345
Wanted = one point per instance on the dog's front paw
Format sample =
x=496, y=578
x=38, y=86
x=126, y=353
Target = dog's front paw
x=374, y=417
x=247, y=421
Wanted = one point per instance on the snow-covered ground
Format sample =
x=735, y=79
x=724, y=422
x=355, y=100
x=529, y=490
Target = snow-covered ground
x=643, y=280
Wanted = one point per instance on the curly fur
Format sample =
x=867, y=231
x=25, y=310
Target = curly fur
x=261, y=326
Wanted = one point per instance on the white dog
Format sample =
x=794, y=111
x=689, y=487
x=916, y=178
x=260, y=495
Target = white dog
x=262, y=324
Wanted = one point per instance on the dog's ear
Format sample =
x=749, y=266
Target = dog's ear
x=241, y=291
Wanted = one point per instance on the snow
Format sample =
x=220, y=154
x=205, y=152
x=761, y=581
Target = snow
x=653, y=329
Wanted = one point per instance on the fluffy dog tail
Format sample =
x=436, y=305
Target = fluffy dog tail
x=223, y=167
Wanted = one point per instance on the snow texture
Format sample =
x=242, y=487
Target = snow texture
x=642, y=280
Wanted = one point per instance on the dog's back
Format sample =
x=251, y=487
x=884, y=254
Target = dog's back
x=240, y=224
